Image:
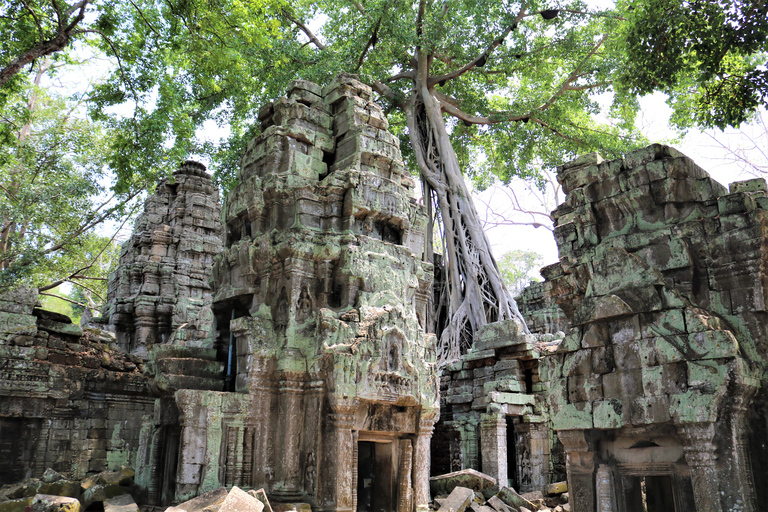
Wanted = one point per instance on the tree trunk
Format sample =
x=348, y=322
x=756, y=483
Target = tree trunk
x=477, y=294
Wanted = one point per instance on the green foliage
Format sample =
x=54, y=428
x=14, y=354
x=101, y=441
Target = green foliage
x=53, y=302
x=709, y=56
x=519, y=268
x=52, y=192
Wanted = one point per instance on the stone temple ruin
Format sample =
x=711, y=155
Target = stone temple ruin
x=286, y=347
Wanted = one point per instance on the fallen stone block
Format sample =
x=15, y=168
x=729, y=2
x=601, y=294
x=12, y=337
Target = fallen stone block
x=61, y=488
x=24, y=489
x=476, y=507
x=211, y=500
x=511, y=498
x=50, y=503
x=535, y=497
x=499, y=506
x=123, y=503
x=240, y=501
x=116, y=478
x=101, y=492
x=17, y=505
x=51, y=476
x=469, y=478
x=556, y=488
x=458, y=500
x=262, y=497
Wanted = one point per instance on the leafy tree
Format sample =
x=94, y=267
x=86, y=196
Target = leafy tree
x=709, y=56
x=496, y=88
x=519, y=268
x=52, y=192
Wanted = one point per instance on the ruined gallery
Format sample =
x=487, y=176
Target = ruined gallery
x=281, y=340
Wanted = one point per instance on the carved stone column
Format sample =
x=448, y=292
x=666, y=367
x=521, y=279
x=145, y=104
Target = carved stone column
x=404, y=473
x=337, y=482
x=290, y=425
x=421, y=462
x=540, y=454
x=605, y=490
x=700, y=456
x=493, y=446
x=580, y=464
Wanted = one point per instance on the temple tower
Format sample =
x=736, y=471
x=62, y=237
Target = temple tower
x=320, y=300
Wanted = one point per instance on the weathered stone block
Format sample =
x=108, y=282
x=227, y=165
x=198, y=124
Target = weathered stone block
x=238, y=500
x=608, y=414
x=513, y=499
x=584, y=388
x=49, y=503
x=124, y=503
x=572, y=416
x=458, y=500
x=649, y=409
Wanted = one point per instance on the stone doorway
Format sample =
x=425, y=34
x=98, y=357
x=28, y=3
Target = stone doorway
x=651, y=494
x=171, y=437
x=375, y=476
x=512, y=465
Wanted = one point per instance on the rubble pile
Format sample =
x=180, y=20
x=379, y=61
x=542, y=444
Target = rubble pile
x=479, y=493
x=53, y=492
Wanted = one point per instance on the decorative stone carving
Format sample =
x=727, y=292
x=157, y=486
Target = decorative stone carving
x=160, y=288
x=661, y=276
x=316, y=304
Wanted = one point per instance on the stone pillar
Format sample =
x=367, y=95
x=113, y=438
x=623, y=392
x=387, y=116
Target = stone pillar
x=338, y=483
x=290, y=425
x=470, y=443
x=404, y=477
x=740, y=479
x=540, y=454
x=262, y=394
x=580, y=465
x=605, y=489
x=421, y=462
x=493, y=446
x=700, y=456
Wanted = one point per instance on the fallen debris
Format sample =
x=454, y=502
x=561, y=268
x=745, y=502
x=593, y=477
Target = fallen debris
x=463, y=499
x=458, y=500
x=469, y=478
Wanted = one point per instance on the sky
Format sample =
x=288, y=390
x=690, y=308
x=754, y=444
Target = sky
x=707, y=149
x=493, y=204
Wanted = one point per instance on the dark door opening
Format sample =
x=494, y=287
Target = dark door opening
x=375, y=477
x=650, y=494
x=514, y=481
x=171, y=440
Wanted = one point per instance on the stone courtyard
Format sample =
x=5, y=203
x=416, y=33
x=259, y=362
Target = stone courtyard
x=287, y=347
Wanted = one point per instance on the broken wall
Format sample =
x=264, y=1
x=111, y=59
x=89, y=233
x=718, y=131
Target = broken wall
x=68, y=399
x=655, y=386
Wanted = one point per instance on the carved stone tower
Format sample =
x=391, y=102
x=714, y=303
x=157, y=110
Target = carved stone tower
x=161, y=284
x=320, y=299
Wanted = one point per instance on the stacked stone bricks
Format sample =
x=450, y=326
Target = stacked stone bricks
x=320, y=301
x=662, y=277
x=161, y=284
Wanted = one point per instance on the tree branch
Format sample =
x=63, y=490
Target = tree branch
x=482, y=57
x=371, y=43
x=53, y=45
x=305, y=29
x=62, y=298
x=575, y=74
x=558, y=132
x=388, y=93
x=146, y=21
